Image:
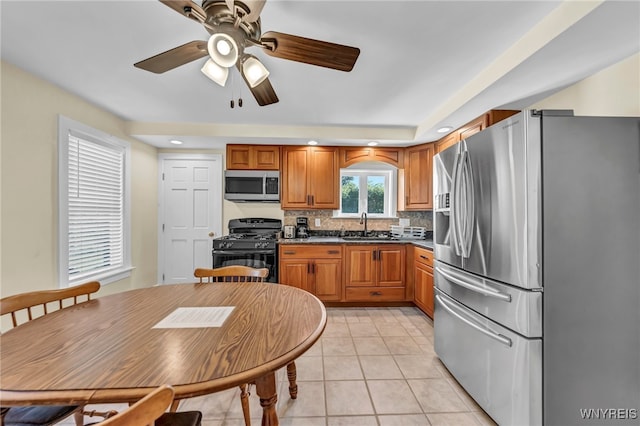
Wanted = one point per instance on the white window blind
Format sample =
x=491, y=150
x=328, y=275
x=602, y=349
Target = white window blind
x=93, y=205
x=96, y=207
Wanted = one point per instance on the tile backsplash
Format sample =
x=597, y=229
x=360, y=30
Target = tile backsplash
x=328, y=222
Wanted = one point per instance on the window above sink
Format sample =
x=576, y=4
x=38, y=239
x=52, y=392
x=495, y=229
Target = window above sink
x=370, y=188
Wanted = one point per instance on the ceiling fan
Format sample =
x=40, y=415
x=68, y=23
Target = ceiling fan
x=235, y=25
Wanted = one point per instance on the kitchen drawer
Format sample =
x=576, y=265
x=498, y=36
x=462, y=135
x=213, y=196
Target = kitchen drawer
x=423, y=256
x=375, y=294
x=516, y=308
x=321, y=251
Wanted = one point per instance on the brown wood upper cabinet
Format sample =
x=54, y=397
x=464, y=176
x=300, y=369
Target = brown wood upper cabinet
x=310, y=178
x=353, y=155
x=473, y=127
x=418, y=191
x=253, y=157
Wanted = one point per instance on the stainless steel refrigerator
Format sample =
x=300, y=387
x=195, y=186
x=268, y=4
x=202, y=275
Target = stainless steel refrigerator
x=537, y=247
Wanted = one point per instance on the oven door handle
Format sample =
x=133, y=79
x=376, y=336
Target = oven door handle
x=241, y=252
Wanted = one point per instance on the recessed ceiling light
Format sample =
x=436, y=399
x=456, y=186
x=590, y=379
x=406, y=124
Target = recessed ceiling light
x=444, y=129
x=176, y=142
x=312, y=143
x=372, y=143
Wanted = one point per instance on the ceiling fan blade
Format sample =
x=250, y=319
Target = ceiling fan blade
x=309, y=51
x=255, y=6
x=175, y=57
x=263, y=92
x=184, y=6
x=230, y=6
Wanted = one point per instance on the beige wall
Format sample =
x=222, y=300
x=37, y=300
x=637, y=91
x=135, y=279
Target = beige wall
x=30, y=108
x=614, y=91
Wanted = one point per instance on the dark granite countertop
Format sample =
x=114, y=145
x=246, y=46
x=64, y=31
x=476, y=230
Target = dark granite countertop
x=426, y=243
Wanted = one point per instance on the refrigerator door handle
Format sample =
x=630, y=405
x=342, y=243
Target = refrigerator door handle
x=455, y=206
x=498, y=337
x=474, y=285
x=469, y=206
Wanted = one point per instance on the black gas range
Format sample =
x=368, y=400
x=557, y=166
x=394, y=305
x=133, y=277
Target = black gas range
x=251, y=242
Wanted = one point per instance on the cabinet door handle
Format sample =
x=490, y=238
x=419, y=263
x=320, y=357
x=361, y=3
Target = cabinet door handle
x=313, y=268
x=313, y=200
x=289, y=252
x=333, y=252
x=308, y=268
x=308, y=199
x=379, y=254
x=375, y=293
x=424, y=257
x=373, y=254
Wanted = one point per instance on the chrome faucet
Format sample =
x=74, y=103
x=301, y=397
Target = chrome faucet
x=363, y=220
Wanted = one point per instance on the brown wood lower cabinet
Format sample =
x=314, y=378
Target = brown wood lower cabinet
x=314, y=268
x=374, y=273
x=423, y=279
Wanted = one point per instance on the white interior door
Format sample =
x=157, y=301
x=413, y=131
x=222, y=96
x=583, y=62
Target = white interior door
x=190, y=214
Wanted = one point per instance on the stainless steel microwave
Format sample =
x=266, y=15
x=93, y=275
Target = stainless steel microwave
x=252, y=185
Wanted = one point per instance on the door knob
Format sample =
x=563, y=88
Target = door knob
x=212, y=234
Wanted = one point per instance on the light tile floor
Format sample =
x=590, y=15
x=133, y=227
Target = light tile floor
x=371, y=367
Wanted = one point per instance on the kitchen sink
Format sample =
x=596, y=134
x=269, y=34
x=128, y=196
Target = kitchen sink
x=368, y=237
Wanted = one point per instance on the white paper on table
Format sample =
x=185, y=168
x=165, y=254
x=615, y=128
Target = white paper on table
x=201, y=317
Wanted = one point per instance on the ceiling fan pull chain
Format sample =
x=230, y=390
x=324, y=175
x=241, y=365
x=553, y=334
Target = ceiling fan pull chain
x=233, y=84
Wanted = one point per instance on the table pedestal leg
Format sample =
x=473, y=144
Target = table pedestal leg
x=266, y=390
x=291, y=375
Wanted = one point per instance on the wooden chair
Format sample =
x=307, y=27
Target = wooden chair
x=150, y=411
x=244, y=274
x=26, y=307
x=234, y=273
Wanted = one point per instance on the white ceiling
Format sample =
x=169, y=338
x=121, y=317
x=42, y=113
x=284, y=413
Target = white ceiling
x=423, y=64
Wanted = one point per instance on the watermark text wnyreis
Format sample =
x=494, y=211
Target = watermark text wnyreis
x=609, y=413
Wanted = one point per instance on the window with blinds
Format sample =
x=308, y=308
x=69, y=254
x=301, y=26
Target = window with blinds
x=93, y=201
x=95, y=207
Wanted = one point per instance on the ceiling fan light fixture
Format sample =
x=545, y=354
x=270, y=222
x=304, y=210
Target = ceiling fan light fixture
x=253, y=70
x=223, y=49
x=215, y=72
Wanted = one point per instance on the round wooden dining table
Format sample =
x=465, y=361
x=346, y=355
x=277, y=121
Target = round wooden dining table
x=109, y=349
